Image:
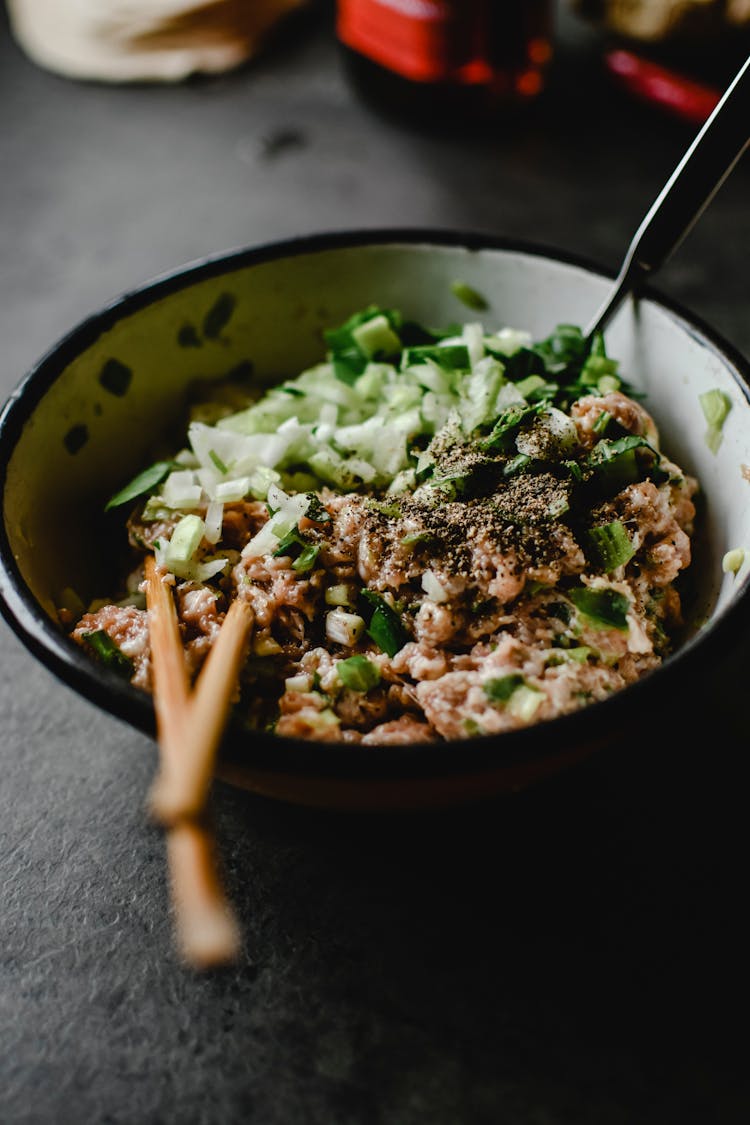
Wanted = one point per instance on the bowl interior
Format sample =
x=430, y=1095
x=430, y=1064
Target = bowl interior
x=108, y=399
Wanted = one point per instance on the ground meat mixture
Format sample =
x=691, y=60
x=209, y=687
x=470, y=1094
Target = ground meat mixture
x=519, y=573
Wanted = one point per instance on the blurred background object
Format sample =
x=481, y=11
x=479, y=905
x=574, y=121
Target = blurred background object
x=144, y=40
x=678, y=54
x=445, y=62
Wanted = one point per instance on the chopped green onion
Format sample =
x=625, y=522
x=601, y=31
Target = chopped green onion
x=525, y=702
x=385, y=625
x=306, y=559
x=516, y=464
x=715, y=405
x=450, y=357
x=500, y=689
x=531, y=386
x=339, y=595
x=504, y=430
x=185, y=540
x=469, y=296
x=733, y=560
x=145, y=481
x=348, y=366
x=266, y=646
x=218, y=461
x=415, y=537
x=616, y=464
x=344, y=628
x=358, y=673
x=108, y=652
x=611, y=545
x=376, y=337
x=604, y=607
x=291, y=544
x=577, y=653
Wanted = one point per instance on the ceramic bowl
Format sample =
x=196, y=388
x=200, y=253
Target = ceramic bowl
x=88, y=416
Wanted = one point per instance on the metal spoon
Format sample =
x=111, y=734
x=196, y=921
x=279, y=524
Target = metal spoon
x=711, y=157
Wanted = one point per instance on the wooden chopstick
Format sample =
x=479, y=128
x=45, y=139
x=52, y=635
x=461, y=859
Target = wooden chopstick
x=208, y=935
x=207, y=930
x=182, y=789
x=171, y=687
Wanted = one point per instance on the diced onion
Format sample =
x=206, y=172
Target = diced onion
x=344, y=628
x=338, y=595
x=432, y=587
x=180, y=490
x=214, y=520
x=230, y=491
x=301, y=683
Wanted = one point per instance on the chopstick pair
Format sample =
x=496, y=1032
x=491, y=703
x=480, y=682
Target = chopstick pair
x=190, y=725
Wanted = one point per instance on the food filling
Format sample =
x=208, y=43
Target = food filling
x=443, y=533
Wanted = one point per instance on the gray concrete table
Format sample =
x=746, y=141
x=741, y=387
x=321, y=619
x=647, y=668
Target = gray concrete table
x=571, y=956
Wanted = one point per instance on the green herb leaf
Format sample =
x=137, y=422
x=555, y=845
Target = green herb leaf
x=358, y=673
x=108, y=652
x=145, y=481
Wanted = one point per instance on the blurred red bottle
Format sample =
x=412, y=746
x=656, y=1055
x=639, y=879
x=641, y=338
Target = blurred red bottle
x=444, y=63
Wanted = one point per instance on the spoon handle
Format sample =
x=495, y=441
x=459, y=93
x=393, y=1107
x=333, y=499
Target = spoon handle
x=710, y=158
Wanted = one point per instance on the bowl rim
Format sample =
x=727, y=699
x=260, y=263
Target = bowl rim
x=260, y=750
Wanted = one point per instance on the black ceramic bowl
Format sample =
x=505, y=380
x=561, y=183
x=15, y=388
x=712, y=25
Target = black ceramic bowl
x=87, y=417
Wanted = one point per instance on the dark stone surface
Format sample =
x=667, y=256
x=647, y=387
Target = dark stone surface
x=574, y=955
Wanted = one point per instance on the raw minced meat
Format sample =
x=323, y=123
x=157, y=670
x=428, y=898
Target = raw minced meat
x=469, y=536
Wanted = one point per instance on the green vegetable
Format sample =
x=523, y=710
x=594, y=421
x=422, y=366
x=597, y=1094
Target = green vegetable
x=611, y=545
x=145, y=481
x=185, y=540
x=218, y=461
x=715, y=406
x=358, y=673
x=385, y=626
x=500, y=689
x=291, y=544
x=451, y=357
x=524, y=702
x=733, y=560
x=516, y=464
x=624, y=461
x=604, y=607
x=109, y=652
x=306, y=559
x=505, y=428
x=469, y=296
x=376, y=337
x=414, y=537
